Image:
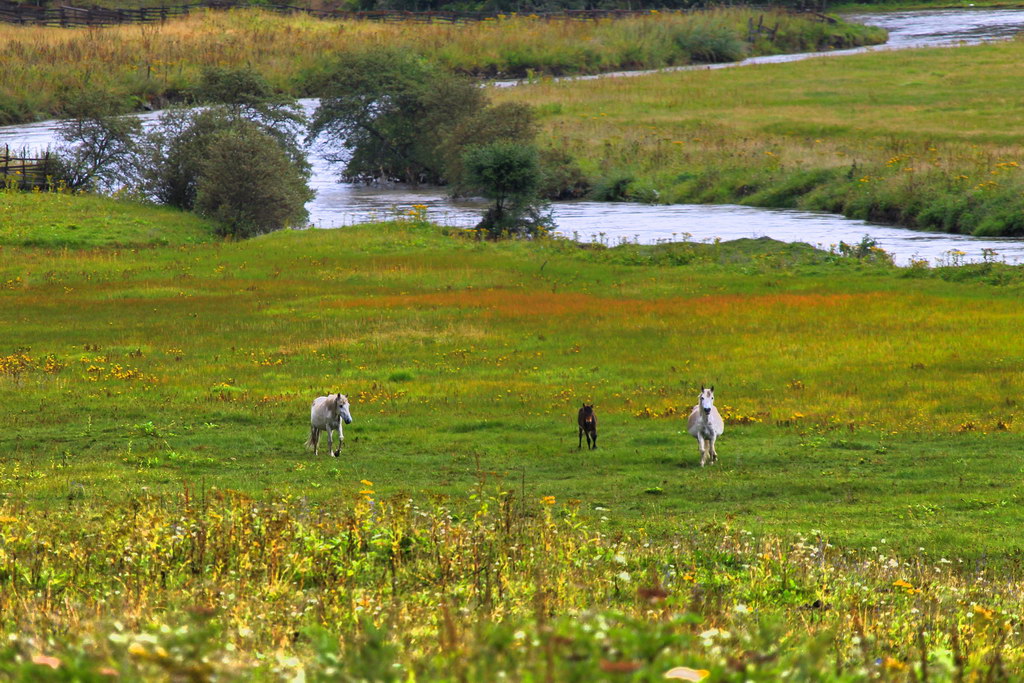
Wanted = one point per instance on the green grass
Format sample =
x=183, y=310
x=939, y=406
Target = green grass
x=919, y=138
x=160, y=519
x=863, y=390
x=55, y=220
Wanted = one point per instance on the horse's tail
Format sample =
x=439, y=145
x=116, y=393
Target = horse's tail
x=313, y=434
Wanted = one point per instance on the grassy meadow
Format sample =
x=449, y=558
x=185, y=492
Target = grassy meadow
x=161, y=518
x=151, y=65
x=919, y=138
x=467, y=361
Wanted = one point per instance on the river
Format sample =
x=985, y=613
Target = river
x=337, y=205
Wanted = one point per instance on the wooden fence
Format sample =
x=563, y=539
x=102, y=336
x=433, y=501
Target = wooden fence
x=25, y=173
x=68, y=16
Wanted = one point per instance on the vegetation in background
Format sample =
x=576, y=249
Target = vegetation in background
x=237, y=159
x=153, y=65
x=390, y=116
x=816, y=134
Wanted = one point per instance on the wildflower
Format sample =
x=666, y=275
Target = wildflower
x=44, y=660
x=547, y=500
x=891, y=664
x=685, y=673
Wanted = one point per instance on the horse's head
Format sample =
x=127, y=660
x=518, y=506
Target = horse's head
x=587, y=412
x=341, y=401
x=707, y=399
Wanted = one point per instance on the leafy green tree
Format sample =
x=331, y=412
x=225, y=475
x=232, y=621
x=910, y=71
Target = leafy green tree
x=248, y=183
x=387, y=115
x=509, y=173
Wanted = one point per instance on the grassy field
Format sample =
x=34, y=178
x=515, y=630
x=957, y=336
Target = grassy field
x=843, y=383
x=160, y=518
x=151, y=65
x=918, y=138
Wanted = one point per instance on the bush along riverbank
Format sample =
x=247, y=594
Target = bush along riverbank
x=155, y=64
x=861, y=135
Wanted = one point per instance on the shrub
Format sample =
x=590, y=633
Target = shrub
x=509, y=173
x=509, y=121
x=562, y=177
x=613, y=188
x=248, y=183
x=98, y=148
x=232, y=86
x=178, y=148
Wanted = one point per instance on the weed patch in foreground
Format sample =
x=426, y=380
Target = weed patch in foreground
x=212, y=584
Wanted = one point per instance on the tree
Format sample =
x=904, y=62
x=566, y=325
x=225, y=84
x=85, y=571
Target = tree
x=248, y=183
x=99, y=147
x=509, y=173
x=510, y=121
x=177, y=148
x=238, y=160
x=387, y=115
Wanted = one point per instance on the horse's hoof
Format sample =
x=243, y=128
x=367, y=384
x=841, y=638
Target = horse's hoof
x=336, y=453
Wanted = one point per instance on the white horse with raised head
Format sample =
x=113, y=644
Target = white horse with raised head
x=706, y=425
x=327, y=414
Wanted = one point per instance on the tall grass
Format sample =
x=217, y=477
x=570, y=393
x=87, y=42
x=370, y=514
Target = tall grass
x=151, y=64
x=209, y=585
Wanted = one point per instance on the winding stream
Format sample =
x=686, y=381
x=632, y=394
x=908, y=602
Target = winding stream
x=337, y=205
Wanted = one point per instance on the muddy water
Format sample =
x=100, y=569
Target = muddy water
x=337, y=205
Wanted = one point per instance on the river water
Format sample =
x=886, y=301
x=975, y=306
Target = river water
x=337, y=205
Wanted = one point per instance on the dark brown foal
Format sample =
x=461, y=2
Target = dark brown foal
x=588, y=425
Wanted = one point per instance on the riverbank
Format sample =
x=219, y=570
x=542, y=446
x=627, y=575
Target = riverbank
x=913, y=138
x=152, y=65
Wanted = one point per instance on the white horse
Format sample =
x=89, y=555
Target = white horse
x=706, y=425
x=327, y=414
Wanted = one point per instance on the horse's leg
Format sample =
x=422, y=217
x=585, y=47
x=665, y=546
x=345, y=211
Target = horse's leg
x=580, y=444
x=330, y=441
x=595, y=438
x=700, y=447
x=316, y=442
x=711, y=447
x=341, y=440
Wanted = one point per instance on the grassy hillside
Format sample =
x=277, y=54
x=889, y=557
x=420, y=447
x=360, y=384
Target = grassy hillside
x=924, y=138
x=77, y=221
x=160, y=518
